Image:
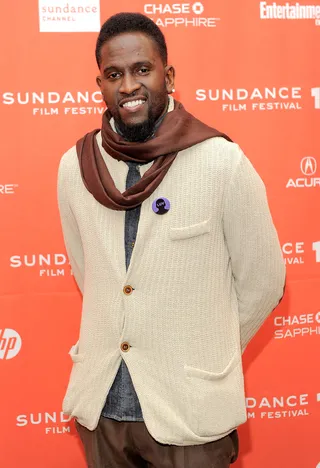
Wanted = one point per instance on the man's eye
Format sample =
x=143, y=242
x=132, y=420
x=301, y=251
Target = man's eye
x=143, y=70
x=114, y=75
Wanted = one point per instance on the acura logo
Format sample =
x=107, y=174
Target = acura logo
x=308, y=166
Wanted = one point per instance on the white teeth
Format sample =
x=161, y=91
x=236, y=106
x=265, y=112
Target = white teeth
x=133, y=103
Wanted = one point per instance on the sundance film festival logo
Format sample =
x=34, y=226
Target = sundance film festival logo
x=315, y=92
x=10, y=343
x=69, y=16
x=290, y=11
x=52, y=265
x=316, y=248
x=297, y=326
x=308, y=169
x=44, y=103
x=179, y=15
x=253, y=99
x=52, y=423
x=294, y=252
x=278, y=407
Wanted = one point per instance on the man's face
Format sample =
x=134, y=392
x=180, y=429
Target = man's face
x=134, y=83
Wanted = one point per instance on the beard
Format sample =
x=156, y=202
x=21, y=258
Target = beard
x=143, y=131
x=138, y=132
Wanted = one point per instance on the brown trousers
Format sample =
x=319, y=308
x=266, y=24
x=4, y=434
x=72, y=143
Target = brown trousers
x=116, y=444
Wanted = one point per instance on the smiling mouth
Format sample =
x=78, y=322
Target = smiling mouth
x=136, y=103
x=133, y=106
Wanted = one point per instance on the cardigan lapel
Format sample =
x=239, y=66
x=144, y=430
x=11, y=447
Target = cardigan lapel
x=119, y=171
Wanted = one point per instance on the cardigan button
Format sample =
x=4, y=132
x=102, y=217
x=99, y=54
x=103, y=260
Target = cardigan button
x=128, y=290
x=125, y=346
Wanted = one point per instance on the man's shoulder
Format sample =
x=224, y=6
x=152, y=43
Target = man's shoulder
x=70, y=154
x=220, y=149
x=68, y=164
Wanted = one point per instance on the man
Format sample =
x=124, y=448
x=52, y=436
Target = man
x=171, y=242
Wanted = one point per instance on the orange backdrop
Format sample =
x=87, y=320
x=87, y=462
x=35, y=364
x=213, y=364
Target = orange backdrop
x=250, y=69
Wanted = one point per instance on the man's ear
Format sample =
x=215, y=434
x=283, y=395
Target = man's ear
x=98, y=81
x=169, y=77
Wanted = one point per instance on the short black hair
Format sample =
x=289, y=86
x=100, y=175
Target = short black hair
x=127, y=23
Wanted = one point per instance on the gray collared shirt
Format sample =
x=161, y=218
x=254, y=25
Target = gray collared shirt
x=122, y=401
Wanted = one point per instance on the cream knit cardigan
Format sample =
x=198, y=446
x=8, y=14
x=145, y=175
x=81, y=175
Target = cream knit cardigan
x=205, y=277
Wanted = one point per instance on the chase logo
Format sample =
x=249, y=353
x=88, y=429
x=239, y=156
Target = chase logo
x=198, y=8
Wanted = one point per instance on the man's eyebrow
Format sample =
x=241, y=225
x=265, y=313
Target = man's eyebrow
x=143, y=62
x=107, y=69
x=133, y=66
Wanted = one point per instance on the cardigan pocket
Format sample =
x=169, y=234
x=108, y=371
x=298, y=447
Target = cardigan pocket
x=74, y=353
x=218, y=401
x=194, y=230
x=206, y=375
x=76, y=379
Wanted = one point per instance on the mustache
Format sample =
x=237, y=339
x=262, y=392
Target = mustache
x=132, y=95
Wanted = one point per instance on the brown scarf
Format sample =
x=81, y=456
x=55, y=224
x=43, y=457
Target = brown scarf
x=178, y=131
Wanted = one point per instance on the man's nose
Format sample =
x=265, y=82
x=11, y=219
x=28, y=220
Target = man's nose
x=129, y=84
